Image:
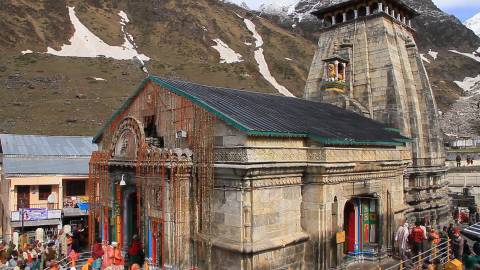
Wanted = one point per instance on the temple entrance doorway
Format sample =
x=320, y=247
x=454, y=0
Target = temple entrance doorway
x=349, y=227
x=130, y=216
x=361, y=225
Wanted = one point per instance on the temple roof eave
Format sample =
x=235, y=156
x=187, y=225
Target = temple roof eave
x=327, y=9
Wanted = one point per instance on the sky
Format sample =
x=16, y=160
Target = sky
x=463, y=9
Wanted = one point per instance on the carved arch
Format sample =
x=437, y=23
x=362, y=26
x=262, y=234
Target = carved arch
x=127, y=139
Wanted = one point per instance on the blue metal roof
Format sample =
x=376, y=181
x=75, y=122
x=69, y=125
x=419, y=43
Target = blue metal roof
x=40, y=155
x=38, y=145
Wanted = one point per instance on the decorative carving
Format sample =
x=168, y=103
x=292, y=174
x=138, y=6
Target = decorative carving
x=347, y=155
x=259, y=183
x=332, y=73
x=336, y=179
x=127, y=139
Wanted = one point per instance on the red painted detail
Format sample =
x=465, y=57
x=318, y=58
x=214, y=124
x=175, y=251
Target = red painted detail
x=349, y=214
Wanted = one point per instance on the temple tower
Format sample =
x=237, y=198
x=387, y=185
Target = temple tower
x=367, y=61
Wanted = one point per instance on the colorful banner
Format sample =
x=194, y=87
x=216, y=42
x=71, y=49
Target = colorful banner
x=33, y=214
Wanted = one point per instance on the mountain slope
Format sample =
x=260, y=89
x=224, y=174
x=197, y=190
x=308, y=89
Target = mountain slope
x=448, y=49
x=474, y=24
x=44, y=93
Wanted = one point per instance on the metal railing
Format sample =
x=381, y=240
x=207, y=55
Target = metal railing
x=65, y=263
x=36, y=205
x=437, y=255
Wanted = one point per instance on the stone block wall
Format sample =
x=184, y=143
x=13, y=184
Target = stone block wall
x=323, y=214
x=387, y=81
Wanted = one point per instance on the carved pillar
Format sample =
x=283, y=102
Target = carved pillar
x=336, y=70
x=344, y=16
x=356, y=13
x=380, y=6
x=404, y=20
x=410, y=22
x=367, y=8
x=334, y=20
x=387, y=10
x=183, y=241
x=393, y=13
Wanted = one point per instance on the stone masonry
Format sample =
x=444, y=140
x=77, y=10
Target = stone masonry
x=386, y=80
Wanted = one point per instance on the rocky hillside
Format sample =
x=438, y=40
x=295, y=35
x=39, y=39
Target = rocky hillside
x=63, y=67
x=64, y=64
x=448, y=48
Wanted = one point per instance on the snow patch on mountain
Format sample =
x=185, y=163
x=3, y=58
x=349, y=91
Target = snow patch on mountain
x=474, y=24
x=474, y=55
x=262, y=63
x=469, y=84
x=433, y=54
x=227, y=55
x=424, y=58
x=84, y=43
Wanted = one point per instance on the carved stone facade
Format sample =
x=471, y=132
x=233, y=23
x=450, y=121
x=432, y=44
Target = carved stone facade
x=280, y=204
x=201, y=192
x=386, y=80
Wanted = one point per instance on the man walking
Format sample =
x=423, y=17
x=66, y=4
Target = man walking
x=417, y=236
x=457, y=244
x=401, y=239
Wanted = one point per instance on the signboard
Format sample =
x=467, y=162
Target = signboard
x=57, y=213
x=341, y=237
x=35, y=214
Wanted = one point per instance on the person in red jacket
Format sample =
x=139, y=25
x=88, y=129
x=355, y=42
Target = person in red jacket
x=97, y=253
x=417, y=236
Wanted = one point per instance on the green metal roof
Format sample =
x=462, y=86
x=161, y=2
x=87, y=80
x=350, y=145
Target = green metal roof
x=260, y=114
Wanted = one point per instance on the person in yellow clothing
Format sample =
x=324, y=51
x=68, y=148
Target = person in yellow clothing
x=88, y=264
x=23, y=240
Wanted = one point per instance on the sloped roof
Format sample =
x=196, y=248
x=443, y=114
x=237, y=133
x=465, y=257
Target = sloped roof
x=39, y=145
x=260, y=114
x=41, y=155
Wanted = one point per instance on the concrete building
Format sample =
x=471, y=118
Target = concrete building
x=44, y=177
x=367, y=62
x=219, y=178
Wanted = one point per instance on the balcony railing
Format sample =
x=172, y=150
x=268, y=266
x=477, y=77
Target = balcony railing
x=338, y=86
x=36, y=205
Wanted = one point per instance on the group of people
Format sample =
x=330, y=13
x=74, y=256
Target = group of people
x=38, y=254
x=106, y=256
x=420, y=243
x=469, y=159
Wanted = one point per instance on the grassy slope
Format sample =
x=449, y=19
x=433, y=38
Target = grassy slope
x=42, y=94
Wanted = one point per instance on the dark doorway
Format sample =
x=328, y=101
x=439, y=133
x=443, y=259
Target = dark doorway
x=23, y=197
x=339, y=18
x=349, y=226
x=132, y=215
x=350, y=15
x=362, y=12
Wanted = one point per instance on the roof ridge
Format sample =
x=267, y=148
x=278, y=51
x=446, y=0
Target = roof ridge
x=229, y=88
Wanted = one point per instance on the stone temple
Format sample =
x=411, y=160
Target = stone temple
x=219, y=178
x=367, y=62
